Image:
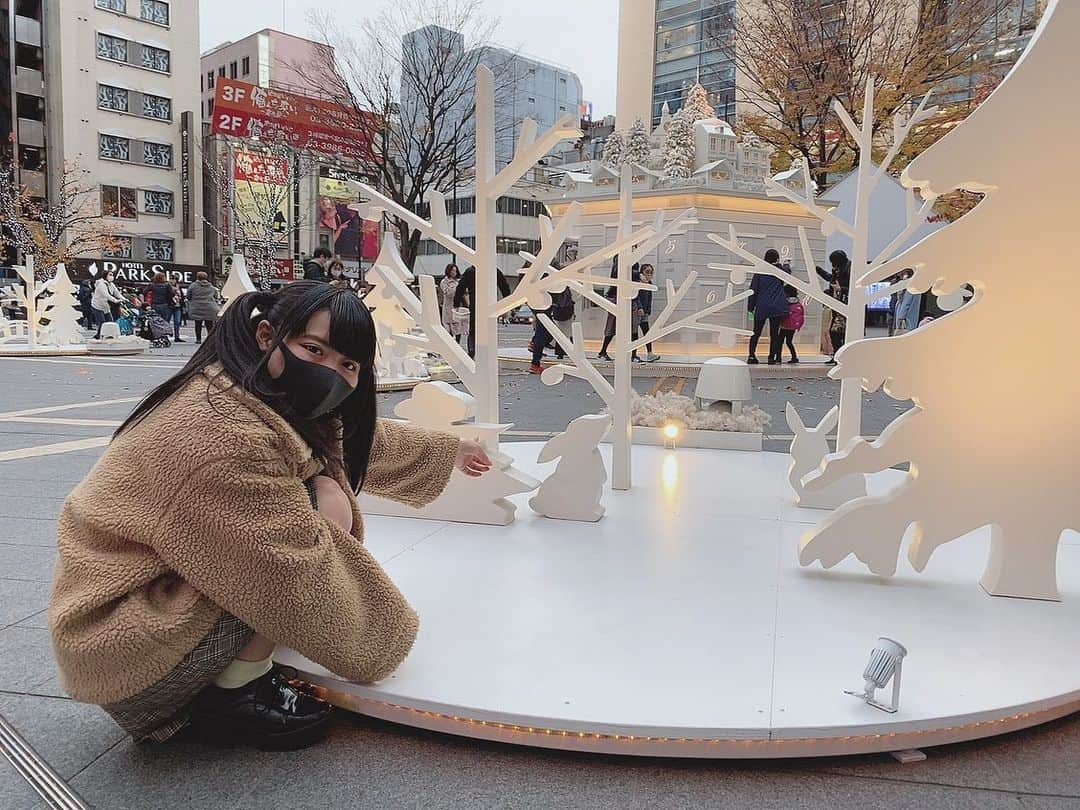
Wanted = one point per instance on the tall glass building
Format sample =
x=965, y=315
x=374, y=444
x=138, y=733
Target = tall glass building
x=694, y=40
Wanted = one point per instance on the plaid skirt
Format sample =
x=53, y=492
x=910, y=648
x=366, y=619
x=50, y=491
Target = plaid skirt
x=162, y=710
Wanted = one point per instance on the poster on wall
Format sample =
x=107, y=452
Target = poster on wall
x=261, y=192
x=349, y=237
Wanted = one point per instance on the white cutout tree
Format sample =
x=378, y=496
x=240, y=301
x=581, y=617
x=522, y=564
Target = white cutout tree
x=631, y=246
x=398, y=357
x=63, y=328
x=858, y=230
x=697, y=105
x=977, y=456
x=28, y=297
x=238, y=281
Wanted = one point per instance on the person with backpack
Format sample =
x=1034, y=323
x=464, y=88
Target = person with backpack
x=793, y=322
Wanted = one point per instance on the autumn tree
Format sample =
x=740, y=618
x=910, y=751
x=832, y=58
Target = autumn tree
x=70, y=223
x=408, y=76
x=797, y=57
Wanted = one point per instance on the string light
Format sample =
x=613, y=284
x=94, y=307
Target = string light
x=881, y=740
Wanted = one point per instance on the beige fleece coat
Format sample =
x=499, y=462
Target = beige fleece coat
x=201, y=508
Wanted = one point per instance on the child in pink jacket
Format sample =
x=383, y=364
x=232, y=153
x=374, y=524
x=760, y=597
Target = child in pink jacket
x=796, y=315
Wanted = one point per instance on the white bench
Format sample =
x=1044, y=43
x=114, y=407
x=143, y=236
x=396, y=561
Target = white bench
x=724, y=379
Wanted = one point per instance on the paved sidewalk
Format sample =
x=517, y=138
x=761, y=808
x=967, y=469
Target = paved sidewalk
x=370, y=764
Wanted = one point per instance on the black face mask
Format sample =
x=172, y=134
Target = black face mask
x=312, y=390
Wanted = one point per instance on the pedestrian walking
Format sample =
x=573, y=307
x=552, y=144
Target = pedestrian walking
x=563, y=312
x=457, y=327
x=161, y=297
x=169, y=597
x=612, y=295
x=315, y=267
x=465, y=297
x=204, y=304
x=839, y=285
x=179, y=300
x=86, y=297
x=792, y=322
x=644, y=305
x=769, y=305
x=105, y=295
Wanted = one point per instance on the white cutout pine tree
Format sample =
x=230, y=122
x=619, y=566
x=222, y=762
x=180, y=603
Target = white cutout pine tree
x=637, y=145
x=63, y=328
x=238, y=281
x=679, y=147
x=993, y=436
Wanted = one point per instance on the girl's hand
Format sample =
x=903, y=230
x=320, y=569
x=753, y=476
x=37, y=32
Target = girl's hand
x=472, y=459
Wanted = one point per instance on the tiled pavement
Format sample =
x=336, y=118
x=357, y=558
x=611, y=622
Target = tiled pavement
x=367, y=763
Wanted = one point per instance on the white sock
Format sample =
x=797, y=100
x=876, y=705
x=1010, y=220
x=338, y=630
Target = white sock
x=240, y=673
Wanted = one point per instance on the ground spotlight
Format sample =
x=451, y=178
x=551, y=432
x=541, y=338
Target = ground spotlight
x=886, y=662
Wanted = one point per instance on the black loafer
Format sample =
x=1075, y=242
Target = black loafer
x=268, y=713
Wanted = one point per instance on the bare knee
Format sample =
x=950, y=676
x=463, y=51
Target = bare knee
x=333, y=503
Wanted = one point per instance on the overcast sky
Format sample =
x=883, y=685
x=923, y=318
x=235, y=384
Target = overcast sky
x=580, y=34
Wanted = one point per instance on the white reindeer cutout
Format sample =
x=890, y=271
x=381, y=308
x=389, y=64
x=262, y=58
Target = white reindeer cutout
x=808, y=449
x=440, y=406
x=574, y=490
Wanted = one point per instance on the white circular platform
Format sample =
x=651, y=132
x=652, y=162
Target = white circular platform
x=682, y=625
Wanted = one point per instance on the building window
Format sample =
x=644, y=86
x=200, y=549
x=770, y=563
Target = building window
x=112, y=48
x=158, y=202
x=121, y=248
x=155, y=58
x=210, y=108
x=112, y=5
x=159, y=250
x=112, y=98
x=245, y=65
x=232, y=70
x=117, y=201
x=113, y=147
x=154, y=11
x=157, y=107
x=209, y=80
x=157, y=154
x=221, y=71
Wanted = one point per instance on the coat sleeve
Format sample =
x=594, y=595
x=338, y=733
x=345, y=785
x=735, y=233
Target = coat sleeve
x=276, y=564
x=408, y=464
x=755, y=285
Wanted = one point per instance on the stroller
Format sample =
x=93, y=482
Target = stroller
x=156, y=329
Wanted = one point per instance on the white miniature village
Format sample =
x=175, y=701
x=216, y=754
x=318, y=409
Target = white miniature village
x=680, y=612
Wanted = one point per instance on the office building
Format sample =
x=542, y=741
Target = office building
x=666, y=46
x=267, y=58
x=525, y=87
x=109, y=87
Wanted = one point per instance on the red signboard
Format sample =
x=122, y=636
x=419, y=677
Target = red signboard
x=245, y=111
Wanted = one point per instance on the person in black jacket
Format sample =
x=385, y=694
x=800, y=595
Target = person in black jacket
x=769, y=305
x=465, y=296
x=315, y=267
x=839, y=286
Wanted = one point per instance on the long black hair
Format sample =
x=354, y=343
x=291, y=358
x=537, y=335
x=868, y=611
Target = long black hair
x=233, y=344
